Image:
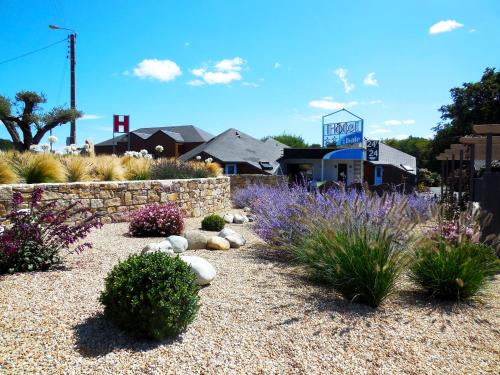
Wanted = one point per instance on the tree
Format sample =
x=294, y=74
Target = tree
x=29, y=119
x=415, y=146
x=295, y=141
x=473, y=103
x=6, y=145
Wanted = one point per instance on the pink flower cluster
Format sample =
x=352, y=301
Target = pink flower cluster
x=156, y=220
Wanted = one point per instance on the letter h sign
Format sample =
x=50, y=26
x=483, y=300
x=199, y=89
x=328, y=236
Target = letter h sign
x=117, y=124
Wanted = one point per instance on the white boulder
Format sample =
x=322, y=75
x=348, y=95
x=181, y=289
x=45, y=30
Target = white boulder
x=164, y=247
x=179, y=244
x=235, y=240
x=239, y=219
x=203, y=270
x=218, y=243
x=196, y=240
x=228, y=218
x=226, y=232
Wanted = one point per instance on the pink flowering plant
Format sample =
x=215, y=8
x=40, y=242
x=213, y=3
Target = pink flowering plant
x=35, y=236
x=157, y=220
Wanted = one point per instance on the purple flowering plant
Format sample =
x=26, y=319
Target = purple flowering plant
x=36, y=236
x=156, y=220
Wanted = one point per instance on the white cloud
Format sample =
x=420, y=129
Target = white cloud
x=162, y=70
x=90, y=117
x=408, y=122
x=196, y=82
x=370, y=80
x=392, y=122
x=329, y=104
x=223, y=72
x=444, y=26
x=342, y=74
x=380, y=131
x=401, y=136
x=186, y=44
x=277, y=65
x=250, y=84
x=377, y=101
x=472, y=30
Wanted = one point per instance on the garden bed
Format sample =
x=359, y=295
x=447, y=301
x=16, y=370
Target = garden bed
x=259, y=315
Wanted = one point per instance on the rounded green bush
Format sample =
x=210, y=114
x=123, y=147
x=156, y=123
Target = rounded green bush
x=213, y=223
x=151, y=296
x=453, y=271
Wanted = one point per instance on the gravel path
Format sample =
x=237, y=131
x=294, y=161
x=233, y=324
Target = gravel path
x=260, y=315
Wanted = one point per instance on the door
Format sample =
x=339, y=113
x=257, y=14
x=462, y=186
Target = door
x=342, y=173
x=379, y=172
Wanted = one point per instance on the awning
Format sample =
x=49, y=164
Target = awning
x=346, y=154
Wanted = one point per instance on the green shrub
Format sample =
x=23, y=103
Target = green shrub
x=213, y=223
x=453, y=271
x=151, y=296
x=362, y=265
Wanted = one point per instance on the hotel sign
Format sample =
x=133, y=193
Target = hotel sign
x=343, y=133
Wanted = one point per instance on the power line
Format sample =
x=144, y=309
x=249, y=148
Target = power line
x=32, y=52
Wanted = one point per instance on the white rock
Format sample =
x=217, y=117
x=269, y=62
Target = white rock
x=246, y=209
x=179, y=243
x=203, y=270
x=196, y=239
x=218, y=243
x=228, y=218
x=239, y=219
x=235, y=240
x=226, y=232
x=164, y=247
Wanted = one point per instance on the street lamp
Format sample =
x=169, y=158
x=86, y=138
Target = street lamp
x=72, y=38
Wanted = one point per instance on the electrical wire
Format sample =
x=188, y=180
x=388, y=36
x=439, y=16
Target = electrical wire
x=32, y=52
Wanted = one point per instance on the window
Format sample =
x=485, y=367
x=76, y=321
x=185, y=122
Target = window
x=265, y=165
x=230, y=169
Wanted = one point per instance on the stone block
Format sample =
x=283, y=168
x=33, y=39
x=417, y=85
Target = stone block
x=96, y=203
x=112, y=202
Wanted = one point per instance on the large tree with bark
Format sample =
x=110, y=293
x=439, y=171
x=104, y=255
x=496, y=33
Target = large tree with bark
x=25, y=121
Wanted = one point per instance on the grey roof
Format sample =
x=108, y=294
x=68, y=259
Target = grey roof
x=182, y=133
x=236, y=146
x=397, y=158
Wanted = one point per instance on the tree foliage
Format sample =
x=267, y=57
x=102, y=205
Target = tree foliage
x=294, y=141
x=473, y=103
x=415, y=146
x=25, y=121
x=6, y=145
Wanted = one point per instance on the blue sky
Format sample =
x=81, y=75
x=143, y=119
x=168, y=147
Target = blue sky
x=263, y=67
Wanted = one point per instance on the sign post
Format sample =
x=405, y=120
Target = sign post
x=372, y=150
x=342, y=133
x=117, y=125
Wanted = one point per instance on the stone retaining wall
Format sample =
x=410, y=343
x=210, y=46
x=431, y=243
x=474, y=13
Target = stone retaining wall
x=114, y=200
x=241, y=180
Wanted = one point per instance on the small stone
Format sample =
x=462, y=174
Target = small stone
x=164, y=247
x=251, y=218
x=239, y=219
x=236, y=240
x=228, y=218
x=246, y=209
x=203, y=270
x=226, y=232
x=179, y=243
x=196, y=240
x=218, y=243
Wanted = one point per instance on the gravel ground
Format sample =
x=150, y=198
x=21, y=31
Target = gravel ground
x=260, y=315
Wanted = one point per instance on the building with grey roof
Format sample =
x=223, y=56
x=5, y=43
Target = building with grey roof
x=240, y=153
x=175, y=140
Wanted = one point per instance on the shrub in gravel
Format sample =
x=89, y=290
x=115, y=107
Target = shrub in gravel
x=151, y=296
x=156, y=220
x=36, y=235
x=213, y=223
x=453, y=271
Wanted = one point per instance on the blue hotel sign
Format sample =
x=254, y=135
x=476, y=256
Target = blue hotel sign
x=342, y=133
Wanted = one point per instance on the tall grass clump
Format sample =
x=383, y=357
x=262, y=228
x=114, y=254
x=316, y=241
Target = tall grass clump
x=77, y=168
x=451, y=263
x=171, y=168
x=7, y=174
x=38, y=168
x=136, y=168
x=454, y=271
x=360, y=255
x=107, y=168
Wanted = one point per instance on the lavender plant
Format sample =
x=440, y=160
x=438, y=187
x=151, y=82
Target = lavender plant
x=37, y=235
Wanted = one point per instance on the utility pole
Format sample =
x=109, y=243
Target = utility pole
x=72, y=40
x=72, y=133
